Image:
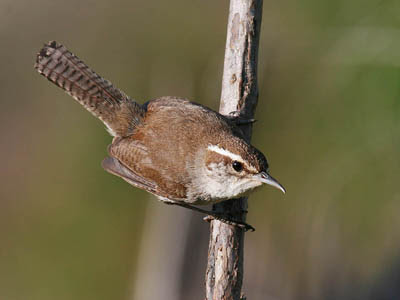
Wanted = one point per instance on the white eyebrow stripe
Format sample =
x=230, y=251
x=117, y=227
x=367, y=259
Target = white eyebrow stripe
x=231, y=155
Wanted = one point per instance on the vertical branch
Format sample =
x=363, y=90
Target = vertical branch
x=224, y=274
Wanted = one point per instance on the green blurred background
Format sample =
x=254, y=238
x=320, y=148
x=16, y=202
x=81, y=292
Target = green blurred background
x=328, y=121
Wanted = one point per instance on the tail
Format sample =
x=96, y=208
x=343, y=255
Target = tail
x=117, y=111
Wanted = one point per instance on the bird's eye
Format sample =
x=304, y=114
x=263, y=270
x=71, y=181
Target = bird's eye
x=237, y=166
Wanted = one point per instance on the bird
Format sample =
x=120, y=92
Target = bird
x=182, y=152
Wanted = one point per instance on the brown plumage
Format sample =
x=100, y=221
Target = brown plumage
x=96, y=94
x=178, y=150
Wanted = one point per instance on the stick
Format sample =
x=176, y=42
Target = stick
x=224, y=275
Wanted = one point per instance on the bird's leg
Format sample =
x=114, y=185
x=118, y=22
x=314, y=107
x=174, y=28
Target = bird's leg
x=239, y=120
x=213, y=215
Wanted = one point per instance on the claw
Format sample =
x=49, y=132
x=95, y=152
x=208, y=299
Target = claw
x=243, y=225
x=235, y=117
x=244, y=121
x=215, y=216
x=234, y=114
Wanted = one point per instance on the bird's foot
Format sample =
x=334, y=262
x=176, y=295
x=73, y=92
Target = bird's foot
x=211, y=215
x=239, y=120
x=225, y=220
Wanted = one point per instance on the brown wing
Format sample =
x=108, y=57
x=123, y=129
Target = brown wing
x=114, y=166
x=144, y=170
x=98, y=95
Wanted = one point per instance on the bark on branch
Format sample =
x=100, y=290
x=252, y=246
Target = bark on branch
x=224, y=275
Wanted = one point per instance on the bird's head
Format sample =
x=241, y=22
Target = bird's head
x=233, y=169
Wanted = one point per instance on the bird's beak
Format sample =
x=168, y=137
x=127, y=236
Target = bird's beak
x=268, y=179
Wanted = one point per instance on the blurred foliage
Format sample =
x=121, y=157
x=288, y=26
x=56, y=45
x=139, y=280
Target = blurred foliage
x=328, y=122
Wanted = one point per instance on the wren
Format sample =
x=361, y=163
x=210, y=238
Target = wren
x=180, y=151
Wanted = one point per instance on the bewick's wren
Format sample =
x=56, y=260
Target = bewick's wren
x=180, y=151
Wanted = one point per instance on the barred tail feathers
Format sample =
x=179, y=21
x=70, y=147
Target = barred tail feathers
x=115, y=109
